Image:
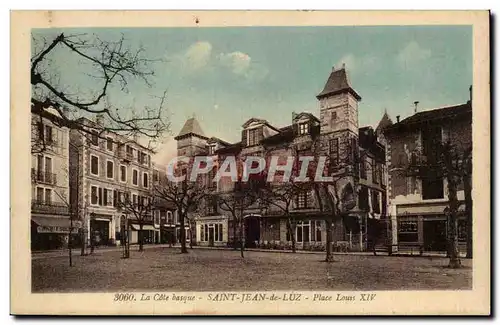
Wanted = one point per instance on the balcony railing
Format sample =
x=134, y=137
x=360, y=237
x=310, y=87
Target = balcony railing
x=38, y=206
x=41, y=176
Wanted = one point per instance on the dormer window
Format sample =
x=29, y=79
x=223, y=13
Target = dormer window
x=254, y=136
x=303, y=128
x=211, y=149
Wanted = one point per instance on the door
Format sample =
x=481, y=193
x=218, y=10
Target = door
x=252, y=231
x=435, y=235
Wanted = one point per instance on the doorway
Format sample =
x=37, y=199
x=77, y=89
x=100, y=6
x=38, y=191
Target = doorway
x=435, y=235
x=252, y=231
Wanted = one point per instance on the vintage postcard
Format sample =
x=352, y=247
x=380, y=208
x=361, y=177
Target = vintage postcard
x=250, y=163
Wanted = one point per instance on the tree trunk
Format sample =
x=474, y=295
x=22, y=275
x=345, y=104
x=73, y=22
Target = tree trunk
x=291, y=230
x=242, y=245
x=235, y=246
x=141, y=238
x=468, y=211
x=182, y=234
x=452, y=224
x=329, y=240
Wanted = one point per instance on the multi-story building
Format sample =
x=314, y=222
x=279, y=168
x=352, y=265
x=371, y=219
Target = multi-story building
x=50, y=202
x=110, y=169
x=334, y=134
x=166, y=220
x=418, y=205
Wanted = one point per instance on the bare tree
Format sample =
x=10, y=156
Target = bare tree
x=139, y=209
x=336, y=196
x=185, y=195
x=236, y=201
x=452, y=162
x=110, y=66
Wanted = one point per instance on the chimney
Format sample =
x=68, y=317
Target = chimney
x=470, y=93
x=99, y=119
x=294, y=115
x=416, y=106
x=333, y=68
x=343, y=65
x=65, y=110
x=397, y=119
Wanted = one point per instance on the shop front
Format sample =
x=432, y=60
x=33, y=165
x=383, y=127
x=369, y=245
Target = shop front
x=427, y=227
x=52, y=232
x=211, y=231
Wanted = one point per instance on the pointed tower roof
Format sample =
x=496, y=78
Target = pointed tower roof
x=337, y=83
x=191, y=127
x=385, y=121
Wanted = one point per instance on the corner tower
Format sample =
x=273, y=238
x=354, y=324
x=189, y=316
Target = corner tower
x=191, y=140
x=338, y=103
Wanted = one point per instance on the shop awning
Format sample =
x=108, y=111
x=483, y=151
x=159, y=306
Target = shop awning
x=144, y=227
x=54, y=224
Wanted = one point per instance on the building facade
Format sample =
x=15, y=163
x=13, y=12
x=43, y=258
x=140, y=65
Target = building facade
x=334, y=134
x=50, y=201
x=418, y=205
x=109, y=169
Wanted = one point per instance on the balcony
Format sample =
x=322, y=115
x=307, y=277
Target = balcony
x=40, y=176
x=38, y=206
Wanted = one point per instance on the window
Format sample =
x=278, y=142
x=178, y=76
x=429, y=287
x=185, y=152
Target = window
x=432, y=186
x=375, y=169
x=334, y=152
x=48, y=164
x=123, y=173
x=93, y=195
x=109, y=197
x=220, y=232
x=317, y=230
x=206, y=232
x=156, y=176
x=408, y=231
x=432, y=137
x=211, y=149
x=135, y=177
x=334, y=116
x=135, y=199
x=105, y=197
x=110, y=166
x=363, y=199
x=362, y=170
x=140, y=157
x=145, y=180
x=302, y=198
x=254, y=136
x=170, y=217
x=48, y=196
x=202, y=232
x=376, y=201
x=94, y=138
x=303, y=231
x=94, y=165
x=303, y=128
x=48, y=134
x=157, y=218
x=39, y=194
x=109, y=144
x=382, y=175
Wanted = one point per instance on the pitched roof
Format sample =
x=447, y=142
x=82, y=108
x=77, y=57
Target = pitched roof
x=218, y=140
x=191, y=127
x=439, y=114
x=385, y=122
x=338, y=82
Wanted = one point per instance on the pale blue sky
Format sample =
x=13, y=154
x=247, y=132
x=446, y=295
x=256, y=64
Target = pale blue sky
x=227, y=75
